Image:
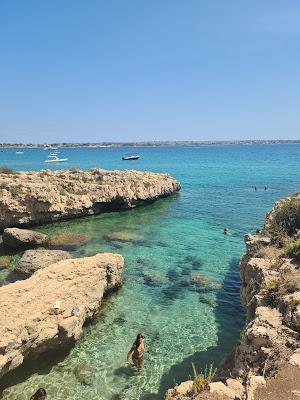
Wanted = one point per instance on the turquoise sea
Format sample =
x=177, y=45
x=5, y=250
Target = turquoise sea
x=179, y=237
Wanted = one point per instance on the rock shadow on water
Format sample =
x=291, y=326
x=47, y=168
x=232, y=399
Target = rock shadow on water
x=41, y=365
x=226, y=312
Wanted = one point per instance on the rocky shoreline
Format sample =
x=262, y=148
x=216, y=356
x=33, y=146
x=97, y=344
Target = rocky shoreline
x=32, y=198
x=48, y=310
x=265, y=364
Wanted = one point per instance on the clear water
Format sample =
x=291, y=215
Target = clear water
x=178, y=236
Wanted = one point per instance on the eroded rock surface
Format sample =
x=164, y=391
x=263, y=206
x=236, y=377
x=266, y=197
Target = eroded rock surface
x=45, y=196
x=33, y=260
x=15, y=238
x=49, y=309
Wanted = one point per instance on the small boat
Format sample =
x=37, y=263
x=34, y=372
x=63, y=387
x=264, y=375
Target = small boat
x=55, y=159
x=19, y=152
x=54, y=153
x=131, y=157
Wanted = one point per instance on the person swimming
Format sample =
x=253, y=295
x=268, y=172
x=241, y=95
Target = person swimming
x=225, y=231
x=136, y=352
x=40, y=394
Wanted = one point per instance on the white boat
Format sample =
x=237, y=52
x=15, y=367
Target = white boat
x=54, y=153
x=55, y=159
x=131, y=157
x=19, y=152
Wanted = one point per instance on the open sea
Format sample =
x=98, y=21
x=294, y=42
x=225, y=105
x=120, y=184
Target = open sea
x=180, y=242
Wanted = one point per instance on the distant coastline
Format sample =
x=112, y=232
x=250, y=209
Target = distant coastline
x=150, y=144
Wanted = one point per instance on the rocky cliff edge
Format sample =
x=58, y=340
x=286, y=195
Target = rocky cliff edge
x=37, y=197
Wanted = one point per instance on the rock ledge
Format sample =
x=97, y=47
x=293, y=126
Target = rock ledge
x=50, y=308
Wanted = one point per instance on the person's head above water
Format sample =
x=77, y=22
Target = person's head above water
x=139, y=339
x=40, y=394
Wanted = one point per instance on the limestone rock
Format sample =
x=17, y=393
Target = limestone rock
x=184, y=387
x=254, y=382
x=45, y=196
x=49, y=309
x=236, y=386
x=15, y=238
x=220, y=389
x=33, y=260
x=295, y=358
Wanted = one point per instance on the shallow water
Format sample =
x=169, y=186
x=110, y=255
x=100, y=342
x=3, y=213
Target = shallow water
x=172, y=239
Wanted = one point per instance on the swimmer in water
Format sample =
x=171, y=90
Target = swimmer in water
x=136, y=352
x=225, y=231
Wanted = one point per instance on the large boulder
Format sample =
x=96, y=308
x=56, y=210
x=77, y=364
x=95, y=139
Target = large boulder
x=15, y=238
x=48, y=310
x=33, y=260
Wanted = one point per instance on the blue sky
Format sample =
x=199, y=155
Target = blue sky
x=123, y=70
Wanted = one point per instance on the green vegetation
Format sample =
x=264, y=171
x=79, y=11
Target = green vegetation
x=7, y=170
x=284, y=221
x=292, y=250
x=203, y=379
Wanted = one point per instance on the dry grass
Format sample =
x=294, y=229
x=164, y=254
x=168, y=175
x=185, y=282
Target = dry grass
x=203, y=379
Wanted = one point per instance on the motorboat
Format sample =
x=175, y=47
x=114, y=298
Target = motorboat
x=128, y=157
x=19, y=152
x=54, y=159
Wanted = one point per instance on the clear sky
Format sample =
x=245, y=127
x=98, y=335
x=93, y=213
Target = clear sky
x=123, y=70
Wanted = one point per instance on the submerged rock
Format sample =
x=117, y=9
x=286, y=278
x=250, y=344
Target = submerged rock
x=48, y=310
x=33, y=260
x=144, y=261
x=123, y=236
x=67, y=241
x=15, y=238
x=84, y=373
x=5, y=262
x=154, y=278
x=200, y=282
x=47, y=196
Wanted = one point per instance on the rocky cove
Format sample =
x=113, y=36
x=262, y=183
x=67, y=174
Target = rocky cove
x=239, y=384
x=47, y=311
